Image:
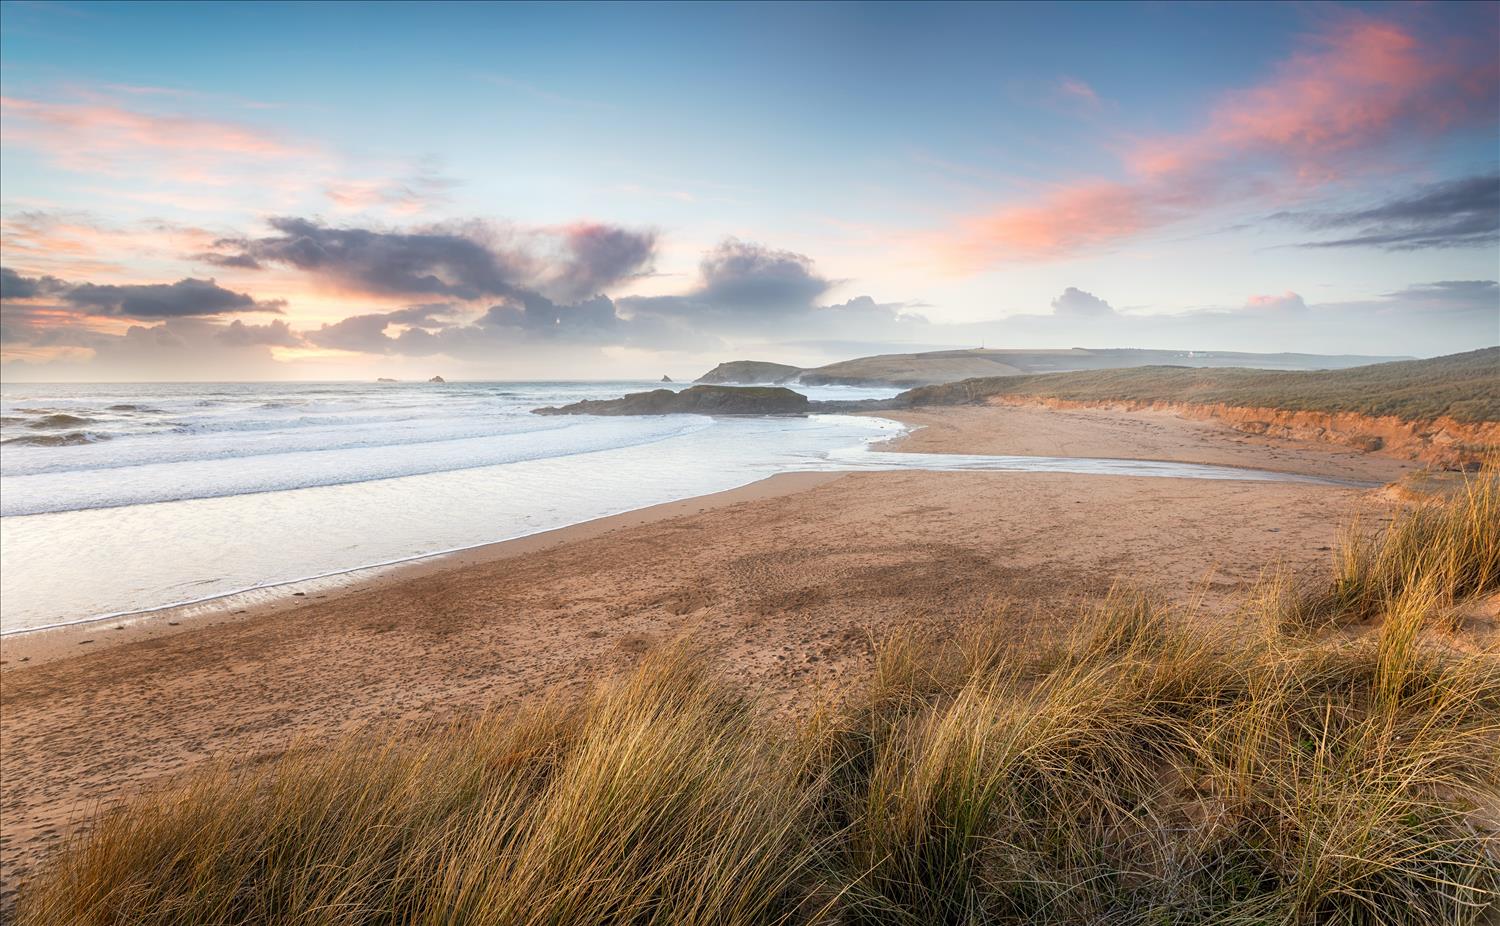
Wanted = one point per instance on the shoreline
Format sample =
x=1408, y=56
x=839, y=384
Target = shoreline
x=40, y=645
x=37, y=646
x=783, y=582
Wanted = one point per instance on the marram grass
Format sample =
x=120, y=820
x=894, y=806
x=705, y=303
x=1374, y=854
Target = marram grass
x=1138, y=773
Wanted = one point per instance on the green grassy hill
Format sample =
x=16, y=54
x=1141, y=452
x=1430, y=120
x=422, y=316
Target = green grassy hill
x=1465, y=387
x=947, y=366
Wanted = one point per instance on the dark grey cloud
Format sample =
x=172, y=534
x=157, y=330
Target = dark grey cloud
x=589, y=319
x=596, y=257
x=747, y=288
x=530, y=321
x=436, y=263
x=234, y=261
x=469, y=261
x=15, y=286
x=185, y=298
x=1075, y=303
x=742, y=276
x=1452, y=214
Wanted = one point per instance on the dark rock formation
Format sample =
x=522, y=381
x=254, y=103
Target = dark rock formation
x=666, y=379
x=437, y=379
x=695, y=400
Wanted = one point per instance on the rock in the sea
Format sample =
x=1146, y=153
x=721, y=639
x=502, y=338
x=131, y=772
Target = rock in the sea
x=437, y=379
x=695, y=400
x=666, y=379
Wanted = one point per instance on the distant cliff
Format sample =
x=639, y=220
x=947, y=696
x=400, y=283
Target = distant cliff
x=695, y=400
x=947, y=366
x=749, y=371
x=1444, y=411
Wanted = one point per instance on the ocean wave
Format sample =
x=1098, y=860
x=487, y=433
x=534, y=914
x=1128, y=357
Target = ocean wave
x=68, y=439
x=57, y=421
x=148, y=483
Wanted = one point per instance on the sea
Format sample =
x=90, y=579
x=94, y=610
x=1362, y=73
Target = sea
x=118, y=500
x=127, y=497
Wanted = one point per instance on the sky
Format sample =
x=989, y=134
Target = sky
x=590, y=191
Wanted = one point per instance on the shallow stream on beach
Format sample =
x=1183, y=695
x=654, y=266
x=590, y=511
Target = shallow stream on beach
x=183, y=493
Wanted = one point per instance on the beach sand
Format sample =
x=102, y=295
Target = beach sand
x=784, y=583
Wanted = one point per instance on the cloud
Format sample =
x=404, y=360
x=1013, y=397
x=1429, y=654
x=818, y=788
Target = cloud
x=275, y=333
x=1286, y=303
x=466, y=261
x=1423, y=319
x=748, y=276
x=103, y=137
x=189, y=297
x=1352, y=92
x=1075, y=303
x=743, y=283
x=744, y=288
x=1074, y=89
x=416, y=191
x=1449, y=296
x=597, y=256
x=1455, y=213
x=532, y=323
x=76, y=244
x=15, y=286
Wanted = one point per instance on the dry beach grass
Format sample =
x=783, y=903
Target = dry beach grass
x=1137, y=771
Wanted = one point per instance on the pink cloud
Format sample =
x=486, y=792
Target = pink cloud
x=1288, y=303
x=71, y=244
x=1076, y=89
x=102, y=137
x=1331, y=108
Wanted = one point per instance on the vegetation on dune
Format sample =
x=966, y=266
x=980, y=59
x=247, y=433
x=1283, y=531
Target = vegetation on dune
x=1465, y=387
x=1140, y=772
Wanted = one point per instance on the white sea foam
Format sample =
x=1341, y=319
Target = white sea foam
x=197, y=491
x=192, y=492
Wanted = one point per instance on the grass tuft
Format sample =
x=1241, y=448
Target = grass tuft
x=1143, y=771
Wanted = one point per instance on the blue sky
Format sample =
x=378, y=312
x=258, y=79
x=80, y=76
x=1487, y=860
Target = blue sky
x=858, y=176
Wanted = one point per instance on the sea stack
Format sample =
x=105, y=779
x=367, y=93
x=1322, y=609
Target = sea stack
x=437, y=379
x=666, y=379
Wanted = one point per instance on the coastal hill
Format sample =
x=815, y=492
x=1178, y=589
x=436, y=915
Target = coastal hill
x=694, y=400
x=1444, y=411
x=1464, y=387
x=946, y=366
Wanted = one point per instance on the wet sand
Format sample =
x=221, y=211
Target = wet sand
x=784, y=583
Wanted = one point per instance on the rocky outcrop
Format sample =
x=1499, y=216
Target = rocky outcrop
x=437, y=379
x=749, y=371
x=695, y=400
x=666, y=379
x=1444, y=442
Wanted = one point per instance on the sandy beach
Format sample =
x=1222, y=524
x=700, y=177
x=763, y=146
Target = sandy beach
x=784, y=583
